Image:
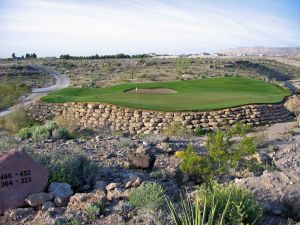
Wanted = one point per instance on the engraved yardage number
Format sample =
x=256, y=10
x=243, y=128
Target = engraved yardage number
x=21, y=177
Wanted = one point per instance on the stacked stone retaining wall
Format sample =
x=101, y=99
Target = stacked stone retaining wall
x=97, y=115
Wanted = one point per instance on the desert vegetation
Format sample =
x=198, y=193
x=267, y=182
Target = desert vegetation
x=107, y=72
x=23, y=73
x=10, y=93
x=217, y=204
x=17, y=81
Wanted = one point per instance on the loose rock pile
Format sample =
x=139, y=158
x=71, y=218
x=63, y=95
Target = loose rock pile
x=58, y=204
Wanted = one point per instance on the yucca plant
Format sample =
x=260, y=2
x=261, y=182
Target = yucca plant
x=190, y=213
x=242, y=208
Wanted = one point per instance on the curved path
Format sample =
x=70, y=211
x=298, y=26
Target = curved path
x=61, y=82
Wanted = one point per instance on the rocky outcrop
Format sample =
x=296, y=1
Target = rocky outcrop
x=97, y=115
x=277, y=192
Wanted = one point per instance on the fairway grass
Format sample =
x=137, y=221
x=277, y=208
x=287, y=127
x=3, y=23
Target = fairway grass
x=192, y=95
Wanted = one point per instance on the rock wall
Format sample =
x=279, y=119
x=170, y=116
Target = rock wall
x=97, y=115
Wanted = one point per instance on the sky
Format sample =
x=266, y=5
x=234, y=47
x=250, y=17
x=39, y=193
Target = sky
x=88, y=27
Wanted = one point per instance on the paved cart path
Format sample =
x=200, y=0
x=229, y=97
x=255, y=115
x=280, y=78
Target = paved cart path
x=61, y=82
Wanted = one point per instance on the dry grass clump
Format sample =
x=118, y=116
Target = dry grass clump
x=67, y=123
x=176, y=129
x=15, y=121
x=293, y=105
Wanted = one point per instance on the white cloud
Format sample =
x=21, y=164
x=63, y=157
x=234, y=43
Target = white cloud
x=56, y=27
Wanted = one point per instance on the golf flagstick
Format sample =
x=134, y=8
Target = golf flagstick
x=136, y=89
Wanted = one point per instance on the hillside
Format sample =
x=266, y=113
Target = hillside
x=270, y=51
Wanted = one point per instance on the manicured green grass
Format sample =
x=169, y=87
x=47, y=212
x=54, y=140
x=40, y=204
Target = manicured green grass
x=192, y=95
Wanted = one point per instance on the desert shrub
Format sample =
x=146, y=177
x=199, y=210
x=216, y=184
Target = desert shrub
x=243, y=208
x=40, y=132
x=15, y=121
x=149, y=196
x=124, y=142
x=199, y=131
x=245, y=147
x=253, y=165
x=157, y=173
x=66, y=64
x=194, y=164
x=93, y=211
x=176, y=129
x=68, y=123
x=60, y=133
x=76, y=170
x=50, y=125
x=117, y=133
x=196, y=213
x=24, y=133
x=293, y=105
x=222, y=157
x=240, y=129
x=227, y=153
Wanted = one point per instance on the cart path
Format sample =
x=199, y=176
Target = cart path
x=62, y=81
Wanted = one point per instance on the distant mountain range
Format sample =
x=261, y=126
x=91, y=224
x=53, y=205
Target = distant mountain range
x=268, y=51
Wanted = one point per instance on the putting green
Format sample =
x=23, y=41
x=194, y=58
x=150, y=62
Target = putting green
x=192, y=95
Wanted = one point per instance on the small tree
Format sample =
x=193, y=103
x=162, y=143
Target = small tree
x=13, y=55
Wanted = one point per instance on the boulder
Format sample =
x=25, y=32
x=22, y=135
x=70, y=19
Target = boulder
x=111, y=186
x=20, y=177
x=165, y=147
x=38, y=199
x=142, y=159
x=61, y=192
x=118, y=193
x=47, y=205
x=134, y=181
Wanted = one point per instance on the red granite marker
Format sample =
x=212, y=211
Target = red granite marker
x=20, y=176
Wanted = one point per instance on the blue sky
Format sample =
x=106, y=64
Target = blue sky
x=54, y=27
